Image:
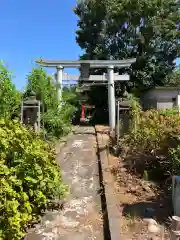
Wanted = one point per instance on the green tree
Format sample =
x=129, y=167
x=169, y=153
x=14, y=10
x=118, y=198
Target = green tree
x=56, y=120
x=40, y=83
x=145, y=29
x=10, y=97
x=173, y=79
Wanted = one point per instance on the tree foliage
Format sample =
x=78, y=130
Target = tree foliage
x=40, y=83
x=10, y=97
x=147, y=30
x=173, y=79
x=57, y=120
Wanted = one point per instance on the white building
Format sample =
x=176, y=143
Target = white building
x=161, y=98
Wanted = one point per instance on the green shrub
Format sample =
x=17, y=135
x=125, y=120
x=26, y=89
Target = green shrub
x=154, y=130
x=155, y=134
x=174, y=156
x=29, y=178
x=58, y=121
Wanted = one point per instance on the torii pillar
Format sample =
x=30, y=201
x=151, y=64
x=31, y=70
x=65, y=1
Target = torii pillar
x=111, y=98
x=59, y=79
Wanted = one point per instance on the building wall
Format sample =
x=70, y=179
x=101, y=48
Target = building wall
x=160, y=98
x=165, y=104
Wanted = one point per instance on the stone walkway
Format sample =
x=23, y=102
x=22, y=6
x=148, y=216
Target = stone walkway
x=81, y=218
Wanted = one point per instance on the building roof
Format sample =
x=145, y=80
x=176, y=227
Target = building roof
x=165, y=88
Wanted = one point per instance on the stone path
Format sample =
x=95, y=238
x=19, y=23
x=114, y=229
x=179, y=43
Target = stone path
x=81, y=218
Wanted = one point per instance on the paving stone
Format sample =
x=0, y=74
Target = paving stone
x=80, y=218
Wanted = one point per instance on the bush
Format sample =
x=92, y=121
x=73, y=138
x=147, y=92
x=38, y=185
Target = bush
x=154, y=130
x=155, y=134
x=57, y=121
x=174, y=154
x=29, y=178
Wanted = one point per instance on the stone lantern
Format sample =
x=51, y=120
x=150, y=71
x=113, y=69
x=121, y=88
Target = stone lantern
x=31, y=112
x=123, y=110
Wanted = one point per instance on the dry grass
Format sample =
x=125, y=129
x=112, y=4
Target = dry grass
x=135, y=196
x=129, y=222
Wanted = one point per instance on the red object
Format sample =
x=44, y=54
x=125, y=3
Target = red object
x=82, y=112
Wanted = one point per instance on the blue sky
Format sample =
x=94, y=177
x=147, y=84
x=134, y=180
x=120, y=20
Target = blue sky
x=31, y=29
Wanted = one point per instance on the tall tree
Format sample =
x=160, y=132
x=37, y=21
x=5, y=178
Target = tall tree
x=40, y=83
x=10, y=97
x=145, y=29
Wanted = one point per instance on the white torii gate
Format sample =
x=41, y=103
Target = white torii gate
x=84, y=66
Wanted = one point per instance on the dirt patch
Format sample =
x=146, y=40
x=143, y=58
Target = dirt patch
x=140, y=200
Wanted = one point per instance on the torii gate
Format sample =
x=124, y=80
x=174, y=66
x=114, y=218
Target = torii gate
x=84, y=66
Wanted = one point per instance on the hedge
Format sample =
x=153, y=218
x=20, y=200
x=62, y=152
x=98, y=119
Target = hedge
x=29, y=178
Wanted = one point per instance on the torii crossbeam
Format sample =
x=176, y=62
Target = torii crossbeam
x=84, y=66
